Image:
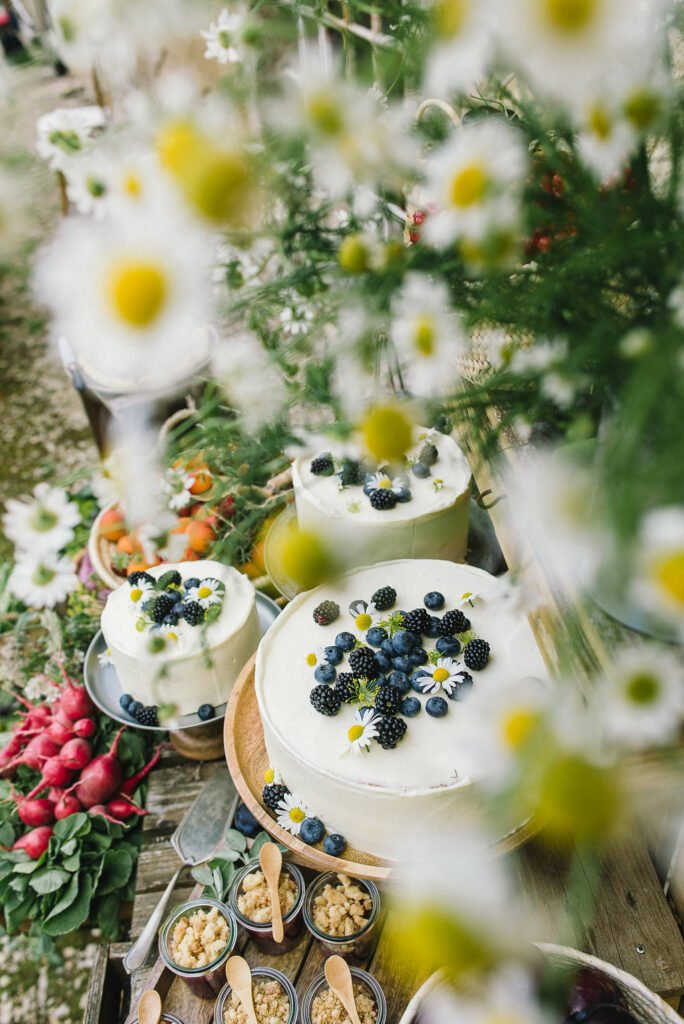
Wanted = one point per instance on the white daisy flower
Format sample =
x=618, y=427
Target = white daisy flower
x=140, y=592
x=177, y=484
x=42, y=581
x=642, y=697
x=426, y=338
x=445, y=675
x=210, y=591
x=224, y=38
x=462, y=48
x=510, y=994
x=474, y=182
x=250, y=379
x=64, y=133
x=316, y=657
x=172, y=634
x=42, y=523
x=659, y=577
x=606, y=140
x=291, y=812
x=468, y=598
x=273, y=775
x=40, y=688
x=362, y=731
x=105, y=658
x=382, y=481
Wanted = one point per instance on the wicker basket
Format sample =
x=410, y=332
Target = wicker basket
x=646, y=1006
x=101, y=552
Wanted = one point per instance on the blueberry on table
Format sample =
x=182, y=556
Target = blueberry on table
x=410, y=707
x=434, y=600
x=312, y=831
x=245, y=822
x=335, y=845
x=205, y=712
x=437, y=707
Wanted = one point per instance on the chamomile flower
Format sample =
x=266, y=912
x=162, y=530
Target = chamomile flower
x=475, y=182
x=66, y=132
x=173, y=635
x=659, y=578
x=427, y=340
x=316, y=657
x=42, y=523
x=272, y=775
x=461, y=49
x=468, y=599
x=210, y=591
x=509, y=994
x=382, y=481
x=642, y=697
x=362, y=731
x=225, y=37
x=140, y=592
x=250, y=379
x=42, y=581
x=445, y=674
x=291, y=812
x=177, y=484
x=605, y=141
x=104, y=658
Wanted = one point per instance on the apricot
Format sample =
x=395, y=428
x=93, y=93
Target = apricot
x=202, y=482
x=139, y=564
x=200, y=535
x=182, y=524
x=112, y=524
x=127, y=544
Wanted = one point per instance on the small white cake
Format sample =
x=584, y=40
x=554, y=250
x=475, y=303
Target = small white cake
x=185, y=663
x=375, y=796
x=431, y=522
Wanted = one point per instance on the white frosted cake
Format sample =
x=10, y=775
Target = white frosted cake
x=180, y=634
x=418, y=509
x=374, y=789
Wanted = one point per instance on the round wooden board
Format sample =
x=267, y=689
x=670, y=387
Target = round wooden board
x=243, y=737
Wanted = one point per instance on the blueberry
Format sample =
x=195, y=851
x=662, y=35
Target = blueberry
x=375, y=636
x=418, y=656
x=437, y=707
x=193, y=582
x=333, y=655
x=171, y=619
x=312, y=831
x=335, y=845
x=369, y=487
x=125, y=700
x=433, y=628
x=403, y=494
x=134, y=708
x=420, y=470
x=387, y=647
x=345, y=641
x=382, y=661
x=434, y=600
x=449, y=646
x=404, y=641
x=463, y=686
x=205, y=712
x=399, y=680
x=410, y=706
x=325, y=674
x=417, y=678
x=245, y=822
x=402, y=665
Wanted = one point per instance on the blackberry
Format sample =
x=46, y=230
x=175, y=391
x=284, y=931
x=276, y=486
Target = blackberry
x=147, y=716
x=141, y=577
x=384, y=598
x=325, y=699
x=161, y=606
x=272, y=794
x=476, y=654
x=428, y=454
x=418, y=621
x=322, y=465
x=193, y=613
x=455, y=622
x=169, y=578
x=362, y=663
x=326, y=612
x=347, y=688
x=383, y=499
x=350, y=473
x=388, y=700
x=390, y=731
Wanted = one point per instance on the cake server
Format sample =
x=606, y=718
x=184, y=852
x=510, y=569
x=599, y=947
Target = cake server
x=197, y=836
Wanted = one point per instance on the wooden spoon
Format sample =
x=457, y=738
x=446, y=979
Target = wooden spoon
x=339, y=977
x=271, y=860
x=149, y=1007
x=239, y=978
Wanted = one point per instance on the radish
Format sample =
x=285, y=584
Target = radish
x=35, y=842
x=33, y=812
x=84, y=727
x=59, y=732
x=100, y=811
x=101, y=778
x=76, y=754
x=66, y=806
x=131, y=784
x=73, y=699
x=35, y=752
x=124, y=808
x=54, y=773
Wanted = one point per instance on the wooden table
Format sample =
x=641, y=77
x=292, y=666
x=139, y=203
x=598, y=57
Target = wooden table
x=634, y=927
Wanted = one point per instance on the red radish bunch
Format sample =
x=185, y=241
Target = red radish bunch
x=35, y=842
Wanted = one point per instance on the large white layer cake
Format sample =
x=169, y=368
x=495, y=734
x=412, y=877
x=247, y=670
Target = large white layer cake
x=374, y=795
x=183, y=644
x=428, y=517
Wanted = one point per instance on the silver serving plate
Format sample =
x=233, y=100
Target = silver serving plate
x=104, y=688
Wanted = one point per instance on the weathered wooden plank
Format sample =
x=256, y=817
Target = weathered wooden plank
x=103, y=1002
x=146, y=902
x=289, y=963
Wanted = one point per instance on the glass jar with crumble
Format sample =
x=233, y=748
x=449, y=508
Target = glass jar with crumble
x=250, y=902
x=166, y=1018
x=321, y=1006
x=342, y=914
x=195, y=941
x=275, y=1000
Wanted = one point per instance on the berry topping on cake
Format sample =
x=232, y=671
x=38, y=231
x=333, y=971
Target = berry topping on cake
x=476, y=654
x=138, y=578
x=362, y=663
x=193, y=581
x=160, y=607
x=434, y=600
x=428, y=454
x=312, y=831
x=326, y=612
x=384, y=599
x=333, y=654
x=335, y=845
x=345, y=641
x=462, y=687
x=434, y=628
x=402, y=663
x=417, y=621
x=171, y=578
x=387, y=700
x=449, y=646
x=454, y=622
x=418, y=656
x=347, y=688
x=399, y=680
x=134, y=707
x=322, y=465
x=325, y=673
x=405, y=640
x=403, y=494
x=437, y=707
x=375, y=636
x=350, y=474
x=421, y=470
x=325, y=699
x=272, y=794
x=383, y=499
x=193, y=613
x=125, y=700
x=147, y=715
x=410, y=707
x=390, y=731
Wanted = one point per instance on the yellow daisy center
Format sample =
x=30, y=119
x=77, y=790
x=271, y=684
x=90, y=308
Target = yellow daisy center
x=325, y=114
x=297, y=815
x=387, y=432
x=466, y=597
x=440, y=675
x=131, y=185
x=669, y=574
x=642, y=108
x=517, y=726
x=269, y=776
x=43, y=519
x=363, y=621
x=136, y=594
x=569, y=16
x=424, y=335
x=643, y=688
x=204, y=592
x=355, y=733
x=600, y=123
x=311, y=660
x=469, y=185
x=450, y=17
x=386, y=483
x=172, y=636
x=137, y=292
x=43, y=575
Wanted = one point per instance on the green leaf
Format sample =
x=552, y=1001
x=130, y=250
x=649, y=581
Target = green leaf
x=116, y=871
x=228, y=855
x=72, y=917
x=72, y=863
x=69, y=847
x=17, y=912
x=48, y=880
x=217, y=880
x=26, y=867
x=75, y=826
x=6, y=834
x=260, y=840
x=66, y=899
x=19, y=884
x=203, y=874
x=108, y=916
x=235, y=840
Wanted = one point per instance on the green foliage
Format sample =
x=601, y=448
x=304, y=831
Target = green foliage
x=216, y=875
